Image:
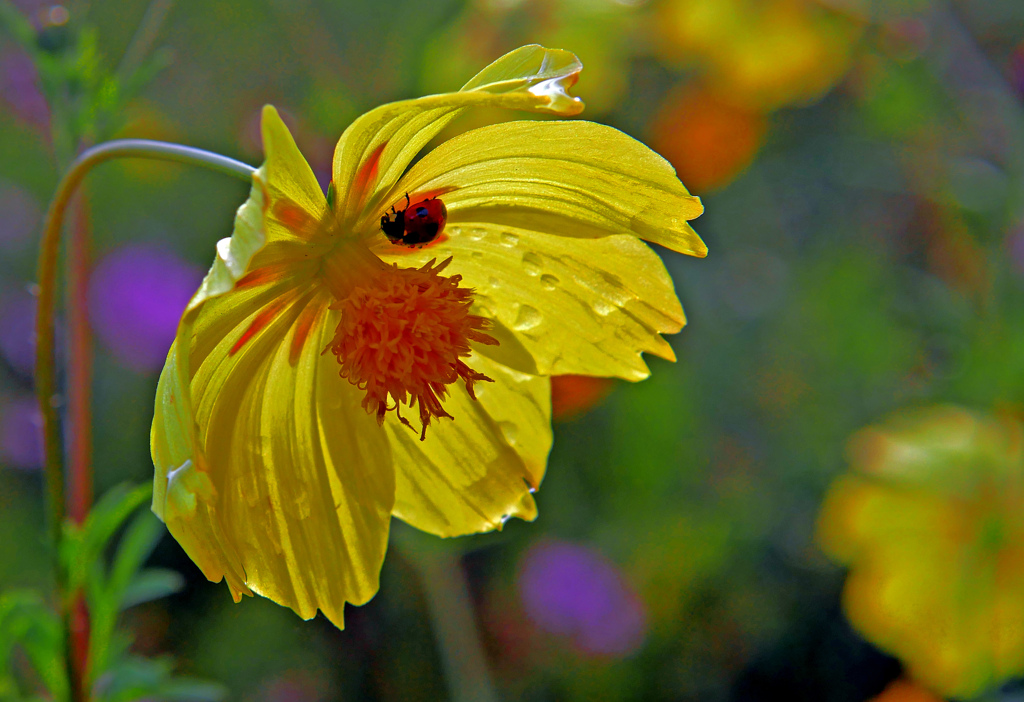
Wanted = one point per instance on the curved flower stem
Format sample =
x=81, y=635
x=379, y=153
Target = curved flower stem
x=46, y=385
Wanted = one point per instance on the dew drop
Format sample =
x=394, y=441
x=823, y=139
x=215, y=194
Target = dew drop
x=509, y=239
x=532, y=263
x=494, y=282
x=477, y=254
x=454, y=231
x=510, y=431
x=528, y=318
x=603, y=307
x=482, y=305
x=548, y=281
x=476, y=234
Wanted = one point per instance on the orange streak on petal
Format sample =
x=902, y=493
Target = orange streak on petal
x=261, y=320
x=430, y=194
x=260, y=276
x=294, y=218
x=303, y=325
x=368, y=171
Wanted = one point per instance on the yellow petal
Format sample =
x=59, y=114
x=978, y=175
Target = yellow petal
x=376, y=149
x=268, y=471
x=585, y=307
x=244, y=255
x=302, y=475
x=183, y=495
x=474, y=472
x=577, y=179
x=296, y=204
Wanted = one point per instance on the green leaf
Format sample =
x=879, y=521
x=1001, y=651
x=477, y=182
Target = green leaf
x=107, y=592
x=152, y=584
x=27, y=623
x=14, y=23
x=135, y=678
x=84, y=545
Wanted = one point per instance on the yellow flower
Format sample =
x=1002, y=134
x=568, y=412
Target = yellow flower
x=279, y=447
x=761, y=53
x=931, y=525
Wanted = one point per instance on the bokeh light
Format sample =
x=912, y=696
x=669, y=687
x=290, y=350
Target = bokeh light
x=573, y=591
x=707, y=139
x=572, y=395
x=136, y=296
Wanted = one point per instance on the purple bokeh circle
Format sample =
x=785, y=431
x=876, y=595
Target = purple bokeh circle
x=572, y=590
x=136, y=296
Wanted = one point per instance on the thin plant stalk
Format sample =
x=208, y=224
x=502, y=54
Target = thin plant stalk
x=73, y=610
x=452, y=617
x=79, y=384
x=79, y=373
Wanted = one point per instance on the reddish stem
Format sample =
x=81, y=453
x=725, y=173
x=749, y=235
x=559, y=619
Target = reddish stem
x=79, y=389
x=79, y=381
x=78, y=631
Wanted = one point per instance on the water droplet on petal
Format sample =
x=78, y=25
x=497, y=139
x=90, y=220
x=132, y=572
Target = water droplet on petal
x=603, y=307
x=510, y=431
x=494, y=282
x=532, y=263
x=528, y=318
x=548, y=281
x=509, y=239
x=454, y=231
x=483, y=306
x=476, y=234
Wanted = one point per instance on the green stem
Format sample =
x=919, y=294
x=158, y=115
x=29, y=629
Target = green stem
x=451, y=613
x=46, y=380
x=145, y=35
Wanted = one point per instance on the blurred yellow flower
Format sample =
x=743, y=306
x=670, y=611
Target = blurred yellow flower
x=931, y=525
x=278, y=464
x=761, y=53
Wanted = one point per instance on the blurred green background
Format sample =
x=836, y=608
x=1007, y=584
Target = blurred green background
x=862, y=168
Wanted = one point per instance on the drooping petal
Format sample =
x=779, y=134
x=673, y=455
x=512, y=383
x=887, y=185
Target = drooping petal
x=376, y=149
x=479, y=469
x=268, y=472
x=576, y=307
x=576, y=179
x=293, y=452
x=295, y=203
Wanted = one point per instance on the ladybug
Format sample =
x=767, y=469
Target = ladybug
x=418, y=224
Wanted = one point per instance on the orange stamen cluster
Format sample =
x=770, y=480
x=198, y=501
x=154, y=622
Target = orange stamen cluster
x=402, y=334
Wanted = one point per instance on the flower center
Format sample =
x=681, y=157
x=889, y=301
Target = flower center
x=403, y=334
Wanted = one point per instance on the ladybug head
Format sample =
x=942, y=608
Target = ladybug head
x=394, y=229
